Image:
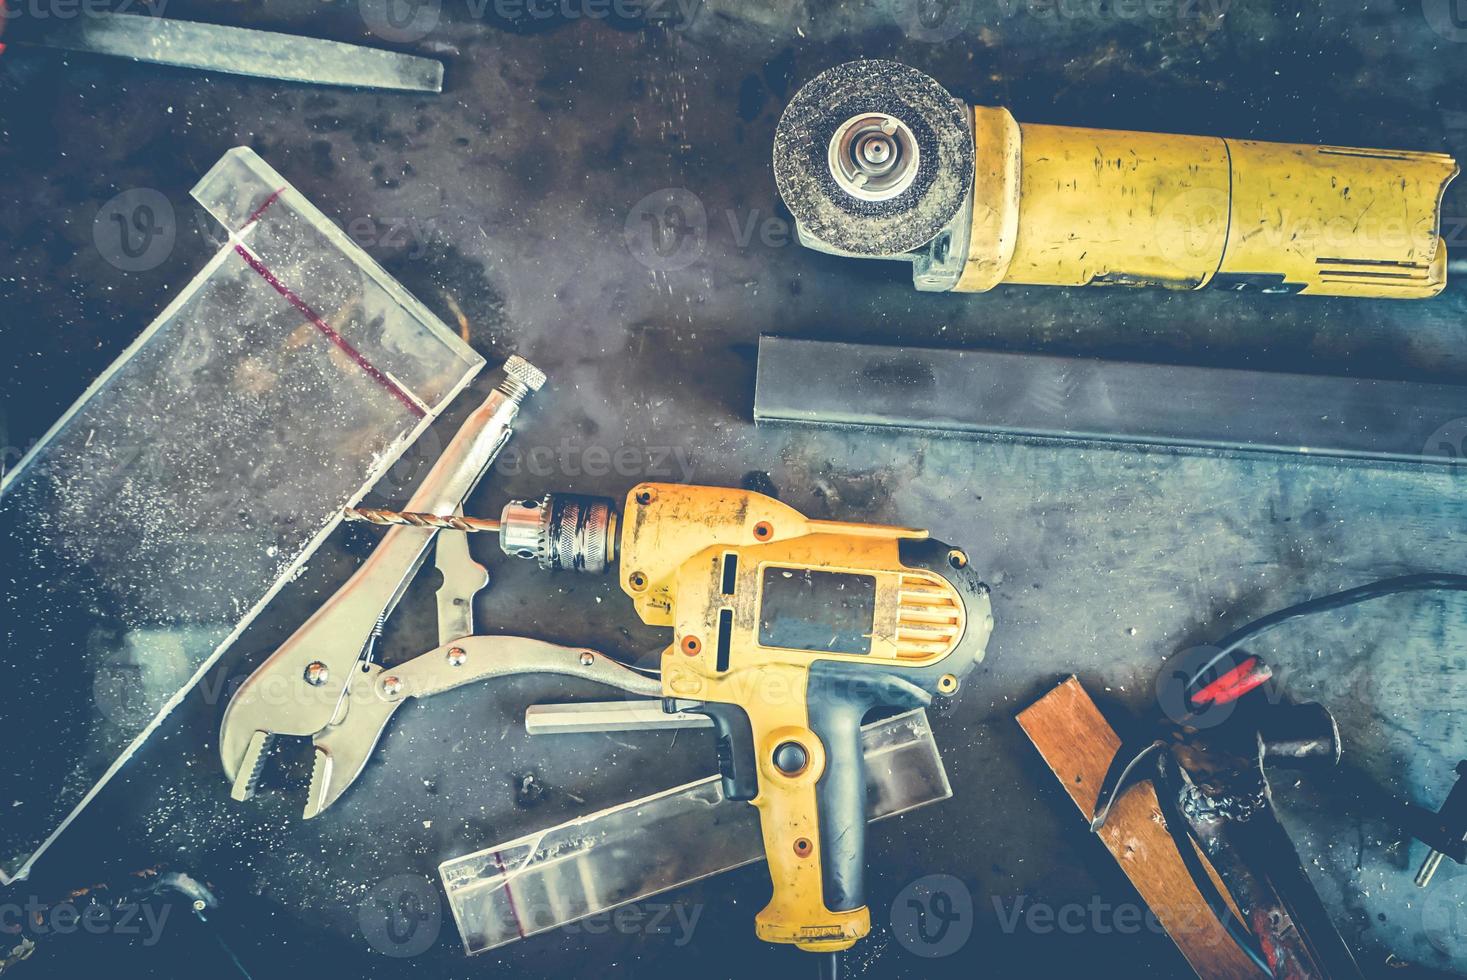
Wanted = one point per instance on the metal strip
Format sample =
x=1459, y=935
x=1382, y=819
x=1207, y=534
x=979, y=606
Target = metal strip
x=1036, y=396
x=243, y=51
x=607, y=716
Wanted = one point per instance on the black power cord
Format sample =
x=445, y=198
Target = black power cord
x=1424, y=582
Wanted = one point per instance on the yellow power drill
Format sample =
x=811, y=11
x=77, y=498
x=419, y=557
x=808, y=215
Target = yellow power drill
x=786, y=633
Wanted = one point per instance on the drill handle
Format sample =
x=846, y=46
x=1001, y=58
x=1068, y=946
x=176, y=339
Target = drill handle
x=812, y=813
x=840, y=800
x=808, y=771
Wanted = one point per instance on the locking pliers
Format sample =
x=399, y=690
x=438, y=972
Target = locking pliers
x=323, y=681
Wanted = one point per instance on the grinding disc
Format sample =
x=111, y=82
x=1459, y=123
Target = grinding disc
x=938, y=123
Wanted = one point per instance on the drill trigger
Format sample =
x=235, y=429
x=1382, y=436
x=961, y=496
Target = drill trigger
x=737, y=762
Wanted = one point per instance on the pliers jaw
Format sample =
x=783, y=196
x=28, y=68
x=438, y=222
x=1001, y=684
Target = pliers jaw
x=302, y=689
x=339, y=751
x=340, y=747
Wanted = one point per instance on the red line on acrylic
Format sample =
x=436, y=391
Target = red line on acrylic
x=509, y=895
x=341, y=342
x=255, y=214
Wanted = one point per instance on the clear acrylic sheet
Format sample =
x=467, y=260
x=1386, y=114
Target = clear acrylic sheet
x=631, y=852
x=193, y=479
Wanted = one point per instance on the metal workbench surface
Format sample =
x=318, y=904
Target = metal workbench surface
x=531, y=199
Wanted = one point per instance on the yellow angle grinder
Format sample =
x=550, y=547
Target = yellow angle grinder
x=877, y=160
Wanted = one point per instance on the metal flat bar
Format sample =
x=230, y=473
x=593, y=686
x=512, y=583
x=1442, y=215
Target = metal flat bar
x=241, y=51
x=1095, y=401
x=607, y=716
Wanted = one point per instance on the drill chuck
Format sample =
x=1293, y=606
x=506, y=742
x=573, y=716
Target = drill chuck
x=561, y=531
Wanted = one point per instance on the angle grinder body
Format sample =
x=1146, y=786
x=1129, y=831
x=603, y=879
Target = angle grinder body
x=877, y=160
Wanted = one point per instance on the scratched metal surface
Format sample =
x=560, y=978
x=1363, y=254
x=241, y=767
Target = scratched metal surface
x=516, y=197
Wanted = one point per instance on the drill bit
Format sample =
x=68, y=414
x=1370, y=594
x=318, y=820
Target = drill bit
x=451, y=522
